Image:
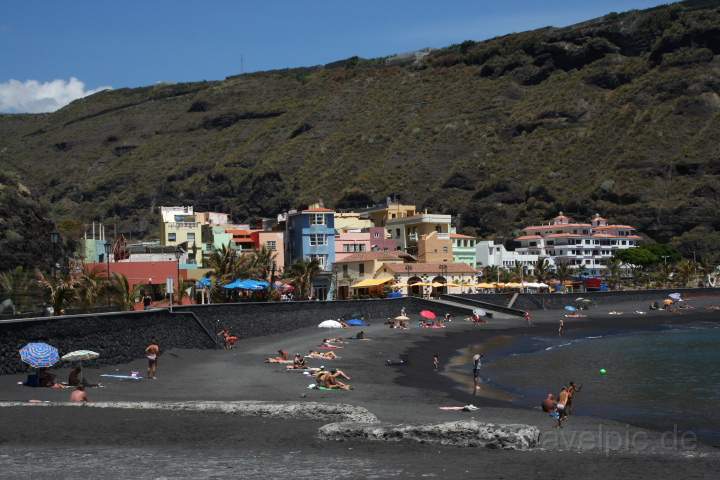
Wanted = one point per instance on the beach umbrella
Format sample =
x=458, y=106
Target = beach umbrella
x=402, y=318
x=80, y=355
x=675, y=296
x=479, y=312
x=233, y=284
x=570, y=308
x=330, y=324
x=355, y=322
x=39, y=355
x=428, y=314
x=204, y=282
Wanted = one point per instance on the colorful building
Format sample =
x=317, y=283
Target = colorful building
x=463, y=249
x=407, y=230
x=351, y=221
x=381, y=214
x=431, y=279
x=310, y=235
x=273, y=241
x=357, y=274
x=380, y=240
x=348, y=242
x=435, y=247
x=180, y=227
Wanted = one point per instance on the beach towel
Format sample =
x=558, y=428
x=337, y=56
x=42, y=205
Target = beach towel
x=329, y=347
x=121, y=377
x=315, y=386
x=467, y=408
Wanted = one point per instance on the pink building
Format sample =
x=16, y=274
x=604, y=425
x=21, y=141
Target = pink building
x=351, y=241
x=274, y=242
x=379, y=241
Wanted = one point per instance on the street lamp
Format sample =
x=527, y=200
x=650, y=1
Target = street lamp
x=408, y=267
x=443, y=270
x=108, y=249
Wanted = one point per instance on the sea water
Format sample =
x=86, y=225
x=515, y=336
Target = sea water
x=661, y=379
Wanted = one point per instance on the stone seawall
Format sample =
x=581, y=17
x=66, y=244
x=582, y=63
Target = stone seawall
x=551, y=301
x=117, y=337
x=121, y=337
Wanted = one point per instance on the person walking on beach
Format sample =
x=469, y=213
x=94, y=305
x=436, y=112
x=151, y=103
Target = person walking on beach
x=436, y=362
x=528, y=319
x=572, y=390
x=477, y=364
x=152, y=352
x=561, y=328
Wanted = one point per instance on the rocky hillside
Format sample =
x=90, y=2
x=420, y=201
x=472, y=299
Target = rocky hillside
x=619, y=115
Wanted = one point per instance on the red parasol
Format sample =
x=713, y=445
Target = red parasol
x=428, y=314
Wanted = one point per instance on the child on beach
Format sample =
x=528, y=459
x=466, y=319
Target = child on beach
x=152, y=352
x=436, y=362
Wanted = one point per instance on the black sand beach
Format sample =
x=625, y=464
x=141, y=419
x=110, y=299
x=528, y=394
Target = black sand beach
x=62, y=442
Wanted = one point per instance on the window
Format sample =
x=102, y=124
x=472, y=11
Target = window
x=345, y=270
x=437, y=228
x=172, y=237
x=317, y=219
x=361, y=269
x=376, y=234
x=397, y=232
x=317, y=239
x=271, y=245
x=354, y=247
x=191, y=236
x=445, y=249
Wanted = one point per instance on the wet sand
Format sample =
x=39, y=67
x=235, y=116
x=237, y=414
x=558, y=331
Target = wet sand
x=63, y=443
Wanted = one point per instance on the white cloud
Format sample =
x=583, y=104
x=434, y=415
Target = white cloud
x=32, y=96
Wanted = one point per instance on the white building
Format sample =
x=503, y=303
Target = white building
x=590, y=245
x=490, y=254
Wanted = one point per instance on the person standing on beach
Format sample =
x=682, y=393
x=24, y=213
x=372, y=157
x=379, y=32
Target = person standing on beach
x=436, y=362
x=561, y=328
x=562, y=404
x=477, y=364
x=572, y=390
x=152, y=352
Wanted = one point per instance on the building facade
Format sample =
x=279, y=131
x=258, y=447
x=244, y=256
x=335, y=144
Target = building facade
x=357, y=274
x=491, y=254
x=179, y=226
x=406, y=231
x=435, y=247
x=310, y=235
x=580, y=245
x=380, y=240
x=463, y=249
x=431, y=279
x=348, y=242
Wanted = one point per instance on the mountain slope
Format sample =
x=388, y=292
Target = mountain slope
x=619, y=115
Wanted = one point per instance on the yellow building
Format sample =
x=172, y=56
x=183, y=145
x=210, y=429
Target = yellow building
x=357, y=274
x=407, y=231
x=179, y=226
x=345, y=221
x=380, y=215
x=435, y=247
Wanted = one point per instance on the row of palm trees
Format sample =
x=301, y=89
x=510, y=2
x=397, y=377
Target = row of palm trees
x=84, y=290
x=685, y=273
x=228, y=264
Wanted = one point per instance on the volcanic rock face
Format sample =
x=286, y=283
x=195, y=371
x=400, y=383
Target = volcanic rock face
x=464, y=433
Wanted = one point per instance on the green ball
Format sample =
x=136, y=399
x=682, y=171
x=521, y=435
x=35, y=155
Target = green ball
x=603, y=371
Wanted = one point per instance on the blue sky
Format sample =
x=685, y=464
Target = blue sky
x=131, y=42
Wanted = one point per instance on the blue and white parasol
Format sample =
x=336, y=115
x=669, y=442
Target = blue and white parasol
x=39, y=355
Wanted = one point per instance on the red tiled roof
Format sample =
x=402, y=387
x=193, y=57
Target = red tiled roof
x=429, y=267
x=368, y=256
x=563, y=235
x=460, y=235
x=319, y=210
x=552, y=227
x=634, y=237
x=613, y=227
x=529, y=237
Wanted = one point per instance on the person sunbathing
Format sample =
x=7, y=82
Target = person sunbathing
x=281, y=358
x=332, y=340
x=298, y=363
x=322, y=355
x=333, y=382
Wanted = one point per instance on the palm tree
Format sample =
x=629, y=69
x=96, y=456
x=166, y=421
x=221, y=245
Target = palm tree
x=19, y=287
x=563, y=271
x=490, y=273
x=505, y=275
x=686, y=272
x=541, y=269
x=60, y=291
x=613, y=272
x=222, y=264
x=90, y=286
x=302, y=273
x=120, y=291
x=262, y=262
x=516, y=273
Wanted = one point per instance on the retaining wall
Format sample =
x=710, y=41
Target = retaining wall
x=122, y=337
x=117, y=337
x=550, y=301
